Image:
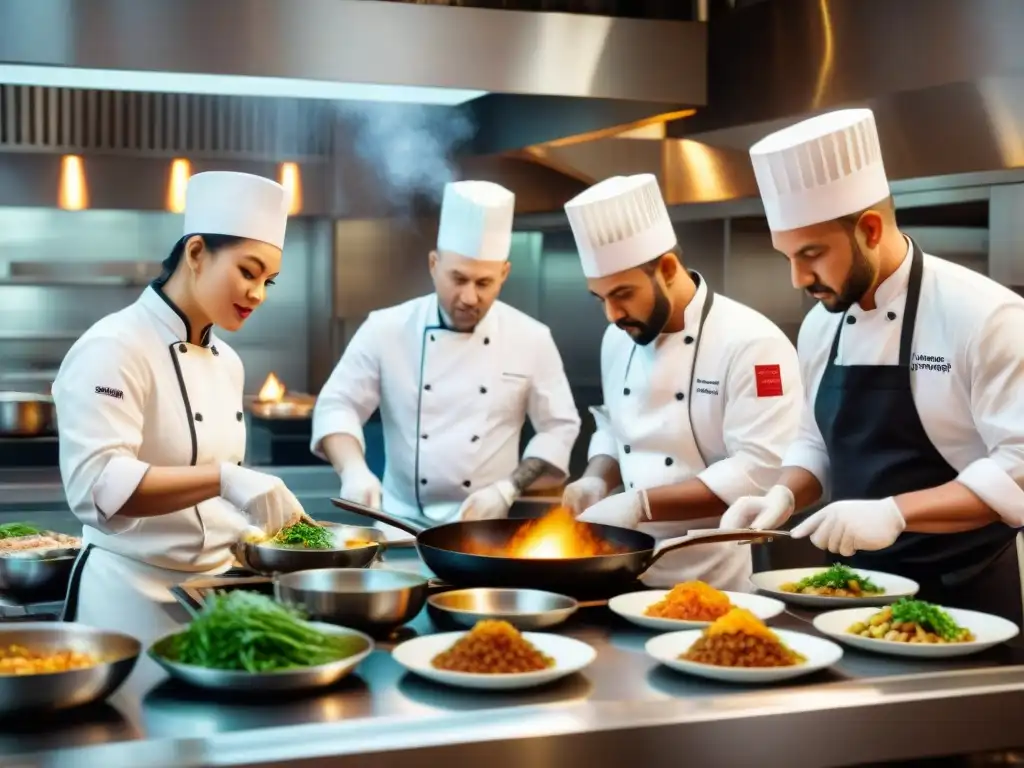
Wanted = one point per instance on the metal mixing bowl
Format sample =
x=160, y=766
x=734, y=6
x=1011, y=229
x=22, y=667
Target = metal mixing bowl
x=37, y=577
x=525, y=609
x=377, y=601
x=61, y=690
x=269, y=560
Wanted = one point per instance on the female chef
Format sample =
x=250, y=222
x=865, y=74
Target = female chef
x=149, y=407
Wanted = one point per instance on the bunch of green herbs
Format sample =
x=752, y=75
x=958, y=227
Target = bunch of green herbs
x=838, y=576
x=930, y=617
x=304, y=535
x=13, y=530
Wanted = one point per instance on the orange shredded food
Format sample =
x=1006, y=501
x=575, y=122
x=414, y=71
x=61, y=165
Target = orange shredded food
x=492, y=648
x=740, y=639
x=18, y=660
x=691, y=601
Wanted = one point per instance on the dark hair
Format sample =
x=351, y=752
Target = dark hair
x=650, y=267
x=212, y=243
x=885, y=206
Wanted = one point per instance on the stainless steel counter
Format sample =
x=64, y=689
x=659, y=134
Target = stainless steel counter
x=624, y=710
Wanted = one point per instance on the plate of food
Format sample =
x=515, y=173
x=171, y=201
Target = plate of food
x=916, y=628
x=689, y=605
x=494, y=655
x=740, y=648
x=245, y=641
x=821, y=587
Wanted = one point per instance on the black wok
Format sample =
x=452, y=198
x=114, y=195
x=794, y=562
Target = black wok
x=447, y=551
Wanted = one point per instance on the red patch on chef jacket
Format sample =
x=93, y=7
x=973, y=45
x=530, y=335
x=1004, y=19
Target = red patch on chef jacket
x=769, y=380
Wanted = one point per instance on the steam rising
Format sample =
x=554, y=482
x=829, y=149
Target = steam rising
x=409, y=148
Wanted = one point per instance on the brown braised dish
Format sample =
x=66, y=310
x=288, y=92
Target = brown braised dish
x=740, y=639
x=492, y=648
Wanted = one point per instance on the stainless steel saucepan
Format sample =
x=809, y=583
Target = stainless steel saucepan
x=25, y=414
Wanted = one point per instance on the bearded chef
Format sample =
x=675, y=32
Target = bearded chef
x=701, y=393
x=455, y=374
x=149, y=407
x=914, y=426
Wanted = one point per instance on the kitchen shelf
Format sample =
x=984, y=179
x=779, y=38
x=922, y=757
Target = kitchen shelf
x=76, y=282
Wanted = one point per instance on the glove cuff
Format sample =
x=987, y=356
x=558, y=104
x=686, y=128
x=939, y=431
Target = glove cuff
x=784, y=494
x=508, y=491
x=645, y=504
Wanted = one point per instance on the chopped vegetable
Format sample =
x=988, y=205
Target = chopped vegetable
x=11, y=530
x=305, y=535
x=838, y=576
x=929, y=616
x=248, y=631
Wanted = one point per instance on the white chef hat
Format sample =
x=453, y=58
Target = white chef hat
x=239, y=204
x=820, y=169
x=476, y=220
x=620, y=223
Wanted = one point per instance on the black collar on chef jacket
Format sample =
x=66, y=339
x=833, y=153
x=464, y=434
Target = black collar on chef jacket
x=176, y=319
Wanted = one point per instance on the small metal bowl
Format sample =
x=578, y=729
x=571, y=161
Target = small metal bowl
x=62, y=690
x=377, y=601
x=269, y=560
x=36, y=576
x=525, y=609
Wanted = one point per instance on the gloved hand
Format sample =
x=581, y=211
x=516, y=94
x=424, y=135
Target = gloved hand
x=584, y=493
x=264, y=499
x=846, y=527
x=490, y=503
x=360, y=485
x=626, y=510
x=765, y=513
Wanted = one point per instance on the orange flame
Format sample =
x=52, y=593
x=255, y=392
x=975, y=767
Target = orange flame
x=554, y=536
x=272, y=390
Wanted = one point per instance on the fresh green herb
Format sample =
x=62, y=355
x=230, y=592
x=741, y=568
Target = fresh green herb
x=838, y=576
x=306, y=536
x=248, y=631
x=929, y=616
x=12, y=530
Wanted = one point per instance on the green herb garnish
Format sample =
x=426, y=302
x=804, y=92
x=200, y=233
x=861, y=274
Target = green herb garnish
x=248, y=631
x=930, y=617
x=838, y=576
x=306, y=536
x=12, y=530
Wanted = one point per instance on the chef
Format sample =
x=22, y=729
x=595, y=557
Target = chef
x=913, y=428
x=149, y=407
x=454, y=373
x=701, y=393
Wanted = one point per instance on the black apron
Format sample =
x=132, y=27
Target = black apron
x=877, y=447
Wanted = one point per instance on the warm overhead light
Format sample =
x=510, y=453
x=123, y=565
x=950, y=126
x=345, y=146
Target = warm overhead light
x=181, y=169
x=292, y=182
x=229, y=85
x=73, y=194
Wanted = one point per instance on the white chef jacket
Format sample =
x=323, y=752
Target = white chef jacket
x=452, y=404
x=133, y=392
x=745, y=412
x=966, y=370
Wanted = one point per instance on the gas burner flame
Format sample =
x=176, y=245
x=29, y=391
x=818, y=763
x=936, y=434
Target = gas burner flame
x=555, y=536
x=272, y=390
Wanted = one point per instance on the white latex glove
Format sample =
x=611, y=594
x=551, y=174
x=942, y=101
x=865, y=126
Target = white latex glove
x=490, y=503
x=846, y=527
x=764, y=513
x=360, y=485
x=625, y=510
x=264, y=499
x=583, y=494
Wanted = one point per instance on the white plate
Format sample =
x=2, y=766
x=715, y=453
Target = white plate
x=633, y=605
x=988, y=630
x=819, y=653
x=895, y=587
x=570, y=656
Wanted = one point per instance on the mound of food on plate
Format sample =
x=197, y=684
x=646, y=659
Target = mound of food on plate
x=26, y=540
x=837, y=581
x=492, y=648
x=250, y=632
x=691, y=601
x=912, y=621
x=740, y=639
x=304, y=535
x=20, y=660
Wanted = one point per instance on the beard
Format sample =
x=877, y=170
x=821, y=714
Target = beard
x=859, y=280
x=643, y=332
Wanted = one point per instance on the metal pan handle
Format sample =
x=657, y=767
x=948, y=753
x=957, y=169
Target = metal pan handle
x=713, y=536
x=413, y=527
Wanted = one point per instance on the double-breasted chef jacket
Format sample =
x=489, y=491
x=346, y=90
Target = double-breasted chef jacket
x=452, y=403
x=134, y=392
x=964, y=366
x=719, y=401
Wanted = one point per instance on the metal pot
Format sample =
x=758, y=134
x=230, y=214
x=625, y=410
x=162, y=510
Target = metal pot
x=24, y=414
